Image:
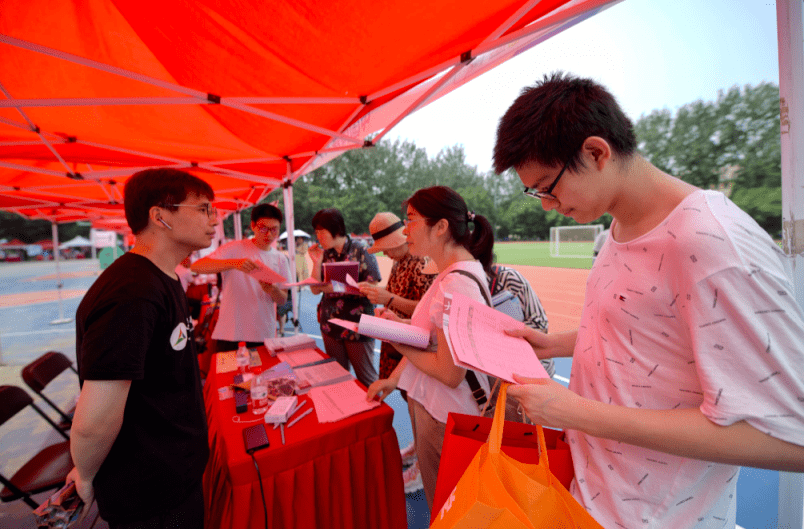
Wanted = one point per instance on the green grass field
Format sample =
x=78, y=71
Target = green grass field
x=538, y=254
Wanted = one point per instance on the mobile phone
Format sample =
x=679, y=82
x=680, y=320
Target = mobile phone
x=255, y=438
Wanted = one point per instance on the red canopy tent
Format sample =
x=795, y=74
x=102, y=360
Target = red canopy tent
x=252, y=95
x=249, y=96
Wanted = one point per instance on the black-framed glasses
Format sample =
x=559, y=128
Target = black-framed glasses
x=273, y=230
x=210, y=210
x=535, y=193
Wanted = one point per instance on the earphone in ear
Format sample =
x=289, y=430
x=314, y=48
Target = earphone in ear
x=165, y=223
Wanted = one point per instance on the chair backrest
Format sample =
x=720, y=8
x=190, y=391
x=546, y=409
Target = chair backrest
x=47, y=469
x=44, y=369
x=12, y=400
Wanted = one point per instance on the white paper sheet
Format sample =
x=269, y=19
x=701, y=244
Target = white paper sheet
x=323, y=374
x=478, y=342
x=336, y=402
x=265, y=274
x=387, y=330
x=300, y=357
x=225, y=362
x=309, y=281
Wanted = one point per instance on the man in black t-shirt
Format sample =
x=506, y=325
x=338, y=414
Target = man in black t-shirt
x=139, y=436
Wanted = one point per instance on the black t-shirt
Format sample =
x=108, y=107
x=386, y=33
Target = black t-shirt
x=134, y=324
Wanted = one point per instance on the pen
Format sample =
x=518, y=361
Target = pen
x=282, y=429
x=300, y=417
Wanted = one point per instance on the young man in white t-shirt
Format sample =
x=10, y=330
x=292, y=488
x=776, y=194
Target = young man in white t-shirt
x=248, y=306
x=688, y=360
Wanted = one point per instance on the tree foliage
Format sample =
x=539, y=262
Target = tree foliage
x=734, y=139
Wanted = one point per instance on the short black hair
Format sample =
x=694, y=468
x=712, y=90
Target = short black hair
x=330, y=219
x=159, y=187
x=549, y=122
x=265, y=211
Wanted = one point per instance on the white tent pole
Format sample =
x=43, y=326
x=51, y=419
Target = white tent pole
x=238, y=226
x=290, y=227
x=791, y=108
x=59, y=284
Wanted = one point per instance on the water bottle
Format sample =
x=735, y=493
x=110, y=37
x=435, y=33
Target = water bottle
x=259, y=394
x=242, y=357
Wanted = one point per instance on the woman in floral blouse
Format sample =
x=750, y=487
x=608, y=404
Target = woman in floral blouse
x=334, y=245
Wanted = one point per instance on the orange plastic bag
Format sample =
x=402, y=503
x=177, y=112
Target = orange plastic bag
x=497, y=491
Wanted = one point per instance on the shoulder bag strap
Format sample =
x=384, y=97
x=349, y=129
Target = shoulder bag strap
x=471, y=378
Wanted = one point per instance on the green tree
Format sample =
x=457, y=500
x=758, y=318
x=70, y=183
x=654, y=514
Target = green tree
x=732, y=141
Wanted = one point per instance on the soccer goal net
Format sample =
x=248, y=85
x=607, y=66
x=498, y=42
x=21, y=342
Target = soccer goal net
x=573, y=241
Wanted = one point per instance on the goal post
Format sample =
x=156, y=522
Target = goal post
x=573, y=241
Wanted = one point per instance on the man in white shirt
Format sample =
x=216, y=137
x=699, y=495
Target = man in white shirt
x=248, y=306
x=688, y=360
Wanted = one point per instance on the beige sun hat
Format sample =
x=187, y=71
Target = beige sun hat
x=386, y=230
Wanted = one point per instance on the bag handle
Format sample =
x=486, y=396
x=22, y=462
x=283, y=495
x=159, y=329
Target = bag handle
x=496, y=433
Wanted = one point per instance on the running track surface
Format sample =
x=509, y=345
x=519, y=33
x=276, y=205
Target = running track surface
x=559, y=289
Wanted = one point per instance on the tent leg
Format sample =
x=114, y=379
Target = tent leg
x=59, y=283
x=290, y=227
x=791, y=86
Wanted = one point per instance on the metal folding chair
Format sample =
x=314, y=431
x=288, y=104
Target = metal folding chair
x=41, y=372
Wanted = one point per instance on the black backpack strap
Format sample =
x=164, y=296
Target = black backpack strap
x=471, y=378
x=476, y=280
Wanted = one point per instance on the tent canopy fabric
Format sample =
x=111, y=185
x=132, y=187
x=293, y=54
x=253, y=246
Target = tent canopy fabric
x=247, y=95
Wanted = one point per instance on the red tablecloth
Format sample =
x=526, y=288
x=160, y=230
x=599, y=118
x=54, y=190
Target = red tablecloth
x=340, y=475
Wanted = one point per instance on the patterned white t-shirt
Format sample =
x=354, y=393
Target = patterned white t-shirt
x=248, y=313
x=698, y=312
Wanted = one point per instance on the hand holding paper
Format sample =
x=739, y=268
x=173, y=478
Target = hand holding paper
x=264, y=274
x=387, y=330
x=477, y=339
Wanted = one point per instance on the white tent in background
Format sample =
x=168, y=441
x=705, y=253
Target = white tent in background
x=76, y=242
x=296, y=233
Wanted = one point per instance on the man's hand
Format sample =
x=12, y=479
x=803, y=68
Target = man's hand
x=544, y=345
x=245, y=265
x=84, y=489
x=546, y=402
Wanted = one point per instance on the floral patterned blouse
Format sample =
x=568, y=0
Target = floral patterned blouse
x=348, y=306
x=407, y=281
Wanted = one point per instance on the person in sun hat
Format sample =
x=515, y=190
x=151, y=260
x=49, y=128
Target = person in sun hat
x=406, y=286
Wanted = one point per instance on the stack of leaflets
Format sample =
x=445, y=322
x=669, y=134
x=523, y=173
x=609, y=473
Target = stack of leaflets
x=323, y=373
x=338, y=401
x=282, y=344
x=477, y=340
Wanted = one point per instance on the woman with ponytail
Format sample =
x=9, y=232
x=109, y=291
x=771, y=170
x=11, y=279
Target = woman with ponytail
x=440, y=226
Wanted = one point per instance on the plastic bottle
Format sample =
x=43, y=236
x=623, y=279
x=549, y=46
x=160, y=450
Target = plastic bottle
x=259, y=394
x=242, y=357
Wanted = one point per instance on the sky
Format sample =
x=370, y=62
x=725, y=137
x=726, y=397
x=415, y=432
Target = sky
x=651, y=54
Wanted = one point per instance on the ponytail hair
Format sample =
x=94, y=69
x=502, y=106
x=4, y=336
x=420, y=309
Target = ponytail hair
x=442, y=202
